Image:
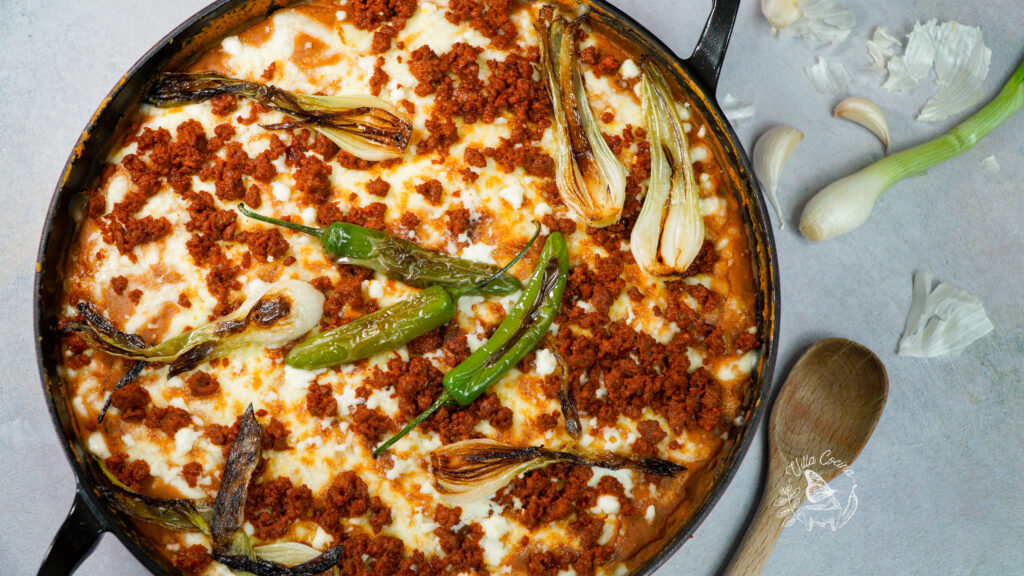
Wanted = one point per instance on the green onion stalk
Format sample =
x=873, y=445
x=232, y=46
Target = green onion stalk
x=846, y=204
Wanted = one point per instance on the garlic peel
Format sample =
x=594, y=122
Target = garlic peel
x=880, y=47
x=961, y=65
x=867, y=114
x=770, y=154
x=735, y=110
x=943, y=320
x=959, y=57
x=916, y=62
x=990, y=163
x=828, y=77
x=821, y=20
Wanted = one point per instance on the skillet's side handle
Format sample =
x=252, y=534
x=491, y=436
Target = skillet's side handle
x=706, y=60
x=74, y=540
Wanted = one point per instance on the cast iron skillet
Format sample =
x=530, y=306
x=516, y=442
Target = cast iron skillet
x=697, y=76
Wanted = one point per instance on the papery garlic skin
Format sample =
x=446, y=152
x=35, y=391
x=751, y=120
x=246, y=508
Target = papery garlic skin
x=770, y=154
x=867, y=114
x=944, y=320
x=828, y=77
x=841, y=206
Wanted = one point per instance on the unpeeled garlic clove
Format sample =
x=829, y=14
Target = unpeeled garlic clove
x=867, y=114
x=770, y=154
x=780, y=13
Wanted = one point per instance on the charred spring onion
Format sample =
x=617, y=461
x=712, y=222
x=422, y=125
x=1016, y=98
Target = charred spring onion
x=364, y=126
x=467, y=471
x=669, y=231
x=171, y=513
x=590, y=178
x=570, y=413
x=287, y=310
x=223, y=521
x=846, y=204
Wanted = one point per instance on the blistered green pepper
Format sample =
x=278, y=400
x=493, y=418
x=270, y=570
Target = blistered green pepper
x=383, y=330
x=519, y=333
x=393, y=326
x=399, y=259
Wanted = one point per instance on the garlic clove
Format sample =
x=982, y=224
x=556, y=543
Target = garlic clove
x=770, y=154
x=780, y=13
x=867, y=114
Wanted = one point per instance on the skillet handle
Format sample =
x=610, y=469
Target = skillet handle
x=708, y=55
x=74, y=540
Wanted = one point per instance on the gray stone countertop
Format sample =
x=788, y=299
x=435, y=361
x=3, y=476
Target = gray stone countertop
x=939, y=485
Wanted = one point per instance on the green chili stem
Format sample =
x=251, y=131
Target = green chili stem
x=317, y=233
x=460, y=291
x=445, y=399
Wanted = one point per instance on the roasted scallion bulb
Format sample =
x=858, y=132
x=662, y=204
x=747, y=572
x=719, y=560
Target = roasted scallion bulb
x=590, y=178
x=669, y=231
x=171, y=513
x=364, y=126
x=287, y=310
x=471, y=470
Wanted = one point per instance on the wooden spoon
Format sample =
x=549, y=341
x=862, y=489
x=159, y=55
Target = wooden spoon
x=831, y=401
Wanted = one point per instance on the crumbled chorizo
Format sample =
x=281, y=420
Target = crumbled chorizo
x=347, y=497
x=193, y=560
x=202, y=384
x=131, y=473
x=191, y=473
x=118, y=284
x=312, y=179
x=320, y=401
x=224, y=104
x=455, y=424
x=651, y=434
x=369, y=14
x=169, y=419
x=378, y=187
x=490, y=18
x=461, y=547
x=131, y=400
x=275, y=435
x=457, y=220
x=371, y=423
x=602, y=64
x=266, y=244
x=431, y=190
x=271, y=507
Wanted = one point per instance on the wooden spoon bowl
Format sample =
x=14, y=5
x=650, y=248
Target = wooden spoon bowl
x=829, y=404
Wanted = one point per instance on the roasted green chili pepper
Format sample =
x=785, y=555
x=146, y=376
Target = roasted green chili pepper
x=398, y=259
x=383, y=330
x=391, y=327
x=519, y=333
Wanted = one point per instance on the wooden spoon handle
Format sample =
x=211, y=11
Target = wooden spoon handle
x=761, y=535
